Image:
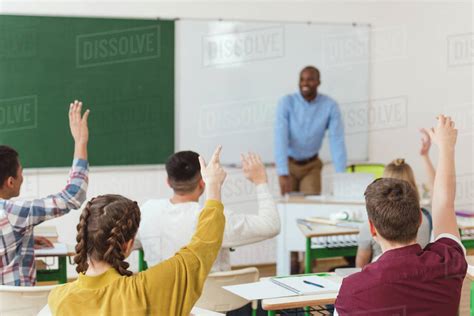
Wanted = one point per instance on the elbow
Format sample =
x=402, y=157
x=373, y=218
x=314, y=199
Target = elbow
x=77, y=200
x=275, y=229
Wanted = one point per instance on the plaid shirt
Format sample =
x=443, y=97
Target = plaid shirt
x=17, y=219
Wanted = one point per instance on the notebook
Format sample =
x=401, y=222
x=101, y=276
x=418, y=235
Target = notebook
x=284, y=287
x=307, y=284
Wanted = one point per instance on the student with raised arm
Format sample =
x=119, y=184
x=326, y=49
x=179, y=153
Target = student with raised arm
x=407, y=279
x=105, y=237
x=167, y=223
x=18, y=217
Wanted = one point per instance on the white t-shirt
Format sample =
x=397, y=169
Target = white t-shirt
x=166, y=227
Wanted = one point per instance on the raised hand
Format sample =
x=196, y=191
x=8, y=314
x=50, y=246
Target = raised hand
x=79, y=129
x=78, y=122
x=253, y=168
x=425, y=142
x=213, y=175
x=444, y=134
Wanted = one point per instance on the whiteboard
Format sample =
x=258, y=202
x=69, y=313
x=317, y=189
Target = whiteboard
x=230, y=76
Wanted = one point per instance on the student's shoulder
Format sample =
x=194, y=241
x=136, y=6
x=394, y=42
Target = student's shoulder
x=446, y=245
x=154, y=205
x=61, y=292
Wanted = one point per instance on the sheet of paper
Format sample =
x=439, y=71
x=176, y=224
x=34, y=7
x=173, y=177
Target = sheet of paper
x=259, y=290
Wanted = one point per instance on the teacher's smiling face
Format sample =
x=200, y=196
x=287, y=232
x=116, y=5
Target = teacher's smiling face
x=309, y=82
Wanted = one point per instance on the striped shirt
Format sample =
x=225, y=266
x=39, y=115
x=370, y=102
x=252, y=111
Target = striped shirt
x=17, y=219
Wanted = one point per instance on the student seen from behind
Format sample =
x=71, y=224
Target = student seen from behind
x=105, y=237
x=18, y=217
x=167, y=223
x=408, y=279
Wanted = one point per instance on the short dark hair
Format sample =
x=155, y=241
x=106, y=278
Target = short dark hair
x=184, y=171
x=394, y=209
x=311, y=68
x=9, y=164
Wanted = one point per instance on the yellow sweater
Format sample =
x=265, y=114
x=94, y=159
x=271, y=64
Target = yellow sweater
x=169, y=288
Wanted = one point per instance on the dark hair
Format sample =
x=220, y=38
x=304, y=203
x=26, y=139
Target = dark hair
x=106, y=223
x=184, y=171
x=394, y=209
x=311, y=68
x=9, y=163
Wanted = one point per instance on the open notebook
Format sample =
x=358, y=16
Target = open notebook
x=284, y=287
x=306, y=284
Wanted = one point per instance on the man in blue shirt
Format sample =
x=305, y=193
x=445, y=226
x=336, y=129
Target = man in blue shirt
x=301, y=122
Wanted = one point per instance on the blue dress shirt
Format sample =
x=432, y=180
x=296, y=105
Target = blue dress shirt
x=299, y=130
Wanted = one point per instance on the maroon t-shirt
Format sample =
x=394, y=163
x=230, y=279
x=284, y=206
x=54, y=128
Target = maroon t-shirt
x=407, y=281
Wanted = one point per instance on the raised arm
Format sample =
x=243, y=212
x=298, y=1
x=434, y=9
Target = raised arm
x=444, y=219
x=336, y=139
x=282, y=138
x=26, y=213
x=242, y=229
x=425, y=155
x=176, y=283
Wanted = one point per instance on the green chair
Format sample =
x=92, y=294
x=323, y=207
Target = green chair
x=374, y=168
x=142, y=265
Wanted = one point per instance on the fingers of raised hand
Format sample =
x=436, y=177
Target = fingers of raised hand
x=202, y=163
x=215, y=158
x=85, y=117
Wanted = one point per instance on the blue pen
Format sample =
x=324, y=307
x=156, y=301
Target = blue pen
x=311, y=283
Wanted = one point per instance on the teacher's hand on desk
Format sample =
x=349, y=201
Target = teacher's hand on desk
x=285, y=184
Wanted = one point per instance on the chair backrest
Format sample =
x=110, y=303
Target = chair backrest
x=23, y=300
x=215, y=298
x=374, y=168
x=45, y=311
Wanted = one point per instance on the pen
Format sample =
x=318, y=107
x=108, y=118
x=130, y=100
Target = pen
x=311, y=283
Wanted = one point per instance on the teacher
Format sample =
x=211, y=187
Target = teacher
x=302, y=119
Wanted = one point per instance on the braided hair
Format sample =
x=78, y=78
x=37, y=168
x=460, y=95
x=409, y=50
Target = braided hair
x=106, y=224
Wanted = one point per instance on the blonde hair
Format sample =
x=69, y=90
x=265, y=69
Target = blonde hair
x=398, y=169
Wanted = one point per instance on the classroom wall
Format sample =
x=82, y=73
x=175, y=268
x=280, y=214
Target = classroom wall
x=423, y=54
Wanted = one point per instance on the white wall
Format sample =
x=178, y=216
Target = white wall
x=422, y=66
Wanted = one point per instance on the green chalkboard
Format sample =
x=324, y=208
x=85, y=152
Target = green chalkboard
x=122, y=70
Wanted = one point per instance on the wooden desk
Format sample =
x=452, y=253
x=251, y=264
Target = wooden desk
x=320, y=230
x=59, y=274
x=290, y=238
x=282, y=303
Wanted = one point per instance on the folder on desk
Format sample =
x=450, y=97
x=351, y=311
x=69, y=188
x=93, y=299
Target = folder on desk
x=283, y=287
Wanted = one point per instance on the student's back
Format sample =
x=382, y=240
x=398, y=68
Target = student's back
x=170, y=288
x=168, y=224
x=407, y=280
x=165, y=227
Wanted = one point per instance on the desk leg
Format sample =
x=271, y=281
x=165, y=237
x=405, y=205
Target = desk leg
x=308, y=257
x=471, y=301
x=62, y=267
x=308, y=265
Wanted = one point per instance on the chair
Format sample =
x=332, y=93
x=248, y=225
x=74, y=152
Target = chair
x=373, y=168
x=215, y=298
x=23, y=300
